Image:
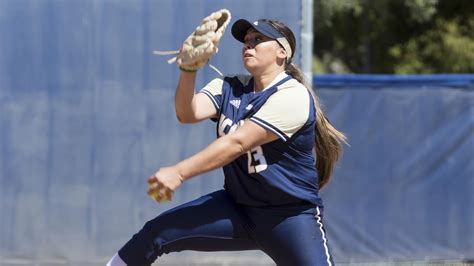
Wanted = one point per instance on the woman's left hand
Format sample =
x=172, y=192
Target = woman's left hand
x=163, y=184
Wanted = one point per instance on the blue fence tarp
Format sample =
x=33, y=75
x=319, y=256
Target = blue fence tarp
x=403, y=189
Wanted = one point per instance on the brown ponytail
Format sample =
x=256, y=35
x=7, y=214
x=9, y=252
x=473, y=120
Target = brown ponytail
x=328, y=145
x=328, y=139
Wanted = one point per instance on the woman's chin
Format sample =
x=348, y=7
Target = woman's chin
x=249, y=65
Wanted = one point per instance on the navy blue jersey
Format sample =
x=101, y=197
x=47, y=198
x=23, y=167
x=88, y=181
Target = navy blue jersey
x=279, y=172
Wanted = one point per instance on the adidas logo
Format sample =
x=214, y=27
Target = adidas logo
x=235, y=103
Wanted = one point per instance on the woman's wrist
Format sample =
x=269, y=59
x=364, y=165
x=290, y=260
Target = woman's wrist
x=179, y=172
x=187, y=70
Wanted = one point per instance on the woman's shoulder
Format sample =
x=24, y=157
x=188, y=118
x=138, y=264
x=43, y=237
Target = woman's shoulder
x=230, y=81
x=291, y=95
x=292, y=84
x=293, y=88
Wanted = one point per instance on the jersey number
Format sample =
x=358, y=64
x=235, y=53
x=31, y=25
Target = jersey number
x=256, y=160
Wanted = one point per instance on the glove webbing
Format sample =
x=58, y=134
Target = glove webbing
x=172, y=60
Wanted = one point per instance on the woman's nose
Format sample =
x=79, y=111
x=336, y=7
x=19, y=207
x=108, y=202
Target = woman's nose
x=245, y=48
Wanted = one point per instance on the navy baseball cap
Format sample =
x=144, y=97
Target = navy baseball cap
x=241, y=26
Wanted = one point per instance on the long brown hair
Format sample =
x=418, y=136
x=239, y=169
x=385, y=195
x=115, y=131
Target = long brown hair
x=328, y=139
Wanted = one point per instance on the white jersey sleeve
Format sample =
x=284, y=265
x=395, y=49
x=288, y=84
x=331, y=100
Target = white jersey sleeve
x=213, y=90
x=286, y=111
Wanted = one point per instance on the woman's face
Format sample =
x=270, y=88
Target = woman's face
x=259, y=51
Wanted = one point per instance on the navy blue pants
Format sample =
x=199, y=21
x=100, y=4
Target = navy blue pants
x=290, y=235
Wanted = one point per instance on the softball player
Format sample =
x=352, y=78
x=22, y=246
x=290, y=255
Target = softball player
x=267, y=127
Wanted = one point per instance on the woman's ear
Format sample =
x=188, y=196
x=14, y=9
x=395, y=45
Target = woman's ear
x=282, y=53
x=281, y=56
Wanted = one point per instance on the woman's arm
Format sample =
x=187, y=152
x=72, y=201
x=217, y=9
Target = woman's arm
x=191, y=107
x=225, y=149
x=219, y=153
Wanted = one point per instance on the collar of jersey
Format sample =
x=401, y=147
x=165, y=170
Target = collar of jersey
x=277, y=79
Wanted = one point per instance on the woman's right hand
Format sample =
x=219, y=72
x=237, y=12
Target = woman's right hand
x=164, y=183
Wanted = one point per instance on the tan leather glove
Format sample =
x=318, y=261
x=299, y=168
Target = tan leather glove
x=202, y=44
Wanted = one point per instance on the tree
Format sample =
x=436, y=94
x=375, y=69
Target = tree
x=392, y=36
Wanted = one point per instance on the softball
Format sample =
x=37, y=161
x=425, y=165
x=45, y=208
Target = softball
x=159, y=195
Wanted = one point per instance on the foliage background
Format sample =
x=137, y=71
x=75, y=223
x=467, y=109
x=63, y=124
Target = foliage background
x=393, y=36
